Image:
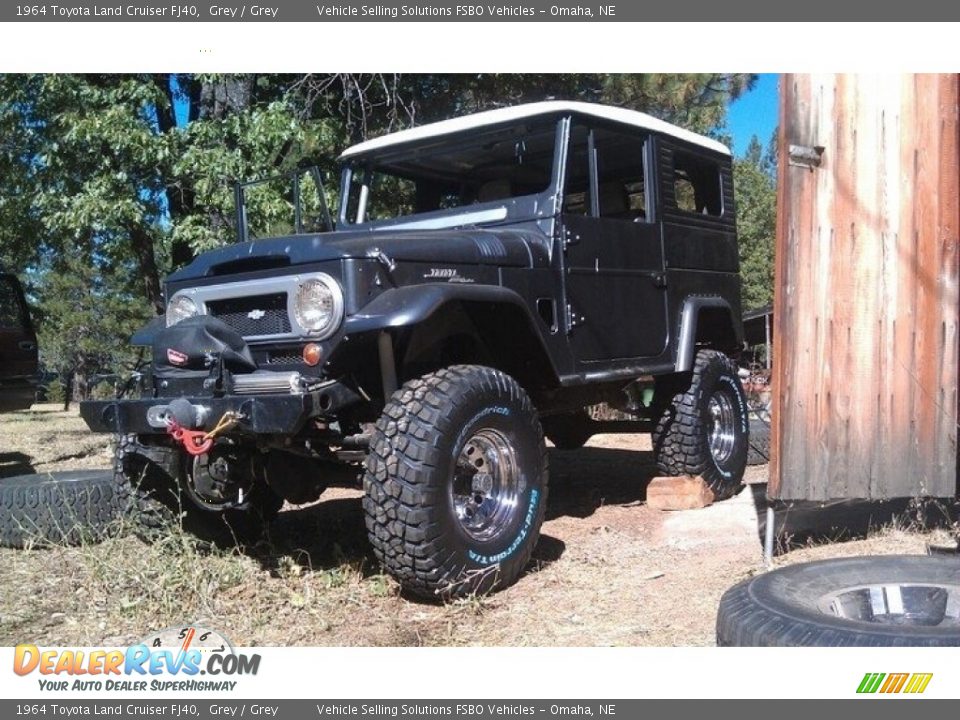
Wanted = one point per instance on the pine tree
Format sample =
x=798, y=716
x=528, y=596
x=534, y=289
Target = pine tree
x=756, y=194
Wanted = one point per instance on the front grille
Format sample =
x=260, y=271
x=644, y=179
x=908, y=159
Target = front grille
x=284, y=357
x=253, y=316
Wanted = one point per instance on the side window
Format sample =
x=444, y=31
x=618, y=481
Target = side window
x=576, y=197
x=391, y=196
x=696, y=185
x=621, y=181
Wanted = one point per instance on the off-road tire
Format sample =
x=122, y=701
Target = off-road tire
x=150, y=474
x=782, y=608
x=61, y=508
x=759, y=453
x=153, y=476
x=681, y=439
x=409, y=503
x=569, y=431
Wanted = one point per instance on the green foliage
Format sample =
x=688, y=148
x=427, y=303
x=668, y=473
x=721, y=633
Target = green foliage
x=56, y=391
x=86, y=313
x=756, y=189
x=217, y=152
x=696, y=102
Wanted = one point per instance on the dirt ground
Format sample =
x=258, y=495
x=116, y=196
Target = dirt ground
x=607, y=571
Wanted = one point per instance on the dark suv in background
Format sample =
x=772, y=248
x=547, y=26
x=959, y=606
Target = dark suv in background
x=18, y=348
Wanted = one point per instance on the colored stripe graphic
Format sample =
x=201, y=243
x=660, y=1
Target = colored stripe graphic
x=870, y=682
x=893, y=683
x=918, y=682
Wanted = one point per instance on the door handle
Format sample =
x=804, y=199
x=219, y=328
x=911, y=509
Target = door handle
x=27, y=345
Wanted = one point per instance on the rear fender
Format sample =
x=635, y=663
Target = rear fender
x=710, y=321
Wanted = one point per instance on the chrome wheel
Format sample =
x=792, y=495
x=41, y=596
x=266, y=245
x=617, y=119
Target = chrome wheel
x=721, y=426
x=486, y=485
x=896, y=604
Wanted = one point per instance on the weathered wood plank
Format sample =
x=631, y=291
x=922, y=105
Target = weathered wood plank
x=866, y=303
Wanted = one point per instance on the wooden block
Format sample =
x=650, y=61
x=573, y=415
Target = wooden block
x=679, y=493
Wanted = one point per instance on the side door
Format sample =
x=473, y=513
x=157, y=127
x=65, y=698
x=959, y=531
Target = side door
x=616, y=296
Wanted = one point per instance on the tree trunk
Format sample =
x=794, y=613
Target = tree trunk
x=81, y=390
x=67, y=391
x=142, y=243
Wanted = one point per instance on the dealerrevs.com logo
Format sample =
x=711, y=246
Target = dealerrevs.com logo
x=894, y=683
x=170, y=660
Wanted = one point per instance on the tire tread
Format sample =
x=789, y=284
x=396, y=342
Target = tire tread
x=401, y=503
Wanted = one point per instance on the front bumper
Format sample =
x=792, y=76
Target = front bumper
x=264, y=414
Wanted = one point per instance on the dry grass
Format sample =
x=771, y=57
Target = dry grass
x=608, y=571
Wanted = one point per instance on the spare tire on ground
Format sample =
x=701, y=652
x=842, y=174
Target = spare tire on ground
x=66, y=507
x=895, y=600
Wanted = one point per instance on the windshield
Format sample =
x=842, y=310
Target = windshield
x=288, y=204
x=489, y=168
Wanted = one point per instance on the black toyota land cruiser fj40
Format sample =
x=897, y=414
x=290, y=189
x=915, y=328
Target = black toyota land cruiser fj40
x=489, y=278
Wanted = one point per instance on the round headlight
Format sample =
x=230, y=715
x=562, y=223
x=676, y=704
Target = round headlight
x=319, y=305
x=180, y=308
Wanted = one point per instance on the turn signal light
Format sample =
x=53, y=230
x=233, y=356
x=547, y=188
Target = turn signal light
x=312, y=354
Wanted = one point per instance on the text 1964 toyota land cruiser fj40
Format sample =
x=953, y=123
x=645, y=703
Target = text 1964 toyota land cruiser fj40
x=489, y=278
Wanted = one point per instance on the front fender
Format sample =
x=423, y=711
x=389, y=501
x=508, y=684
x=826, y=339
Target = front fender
x=503, y=324
x=413, y=304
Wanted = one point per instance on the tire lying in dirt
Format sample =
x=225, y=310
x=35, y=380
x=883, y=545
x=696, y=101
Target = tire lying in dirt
x=897, y=600
x=153, y=475
x=703, y=427
x=759, y=452
x=61, y=508
x=569, y=431
x=456, y=482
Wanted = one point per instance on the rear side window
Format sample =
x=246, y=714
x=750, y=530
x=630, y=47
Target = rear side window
x=696, y=185
x=11, y=307
x=620, y=175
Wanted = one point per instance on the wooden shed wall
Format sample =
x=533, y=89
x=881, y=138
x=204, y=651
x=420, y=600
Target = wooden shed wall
x=865, y=349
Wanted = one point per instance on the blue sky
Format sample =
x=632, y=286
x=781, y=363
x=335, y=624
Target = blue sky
x=754, y=113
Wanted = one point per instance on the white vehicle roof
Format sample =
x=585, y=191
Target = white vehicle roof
x=520, y=112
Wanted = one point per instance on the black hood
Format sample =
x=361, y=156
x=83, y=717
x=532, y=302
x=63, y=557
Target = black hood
x=512, y=248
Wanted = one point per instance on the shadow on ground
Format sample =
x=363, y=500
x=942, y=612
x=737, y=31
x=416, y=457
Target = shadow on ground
x=321, y=536
x=581, y=481
x=331, y=533
x=799, y=523
x=15, y=463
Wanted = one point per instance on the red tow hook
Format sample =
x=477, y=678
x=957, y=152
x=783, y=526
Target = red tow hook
x=195, y=442
x=198, y=442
